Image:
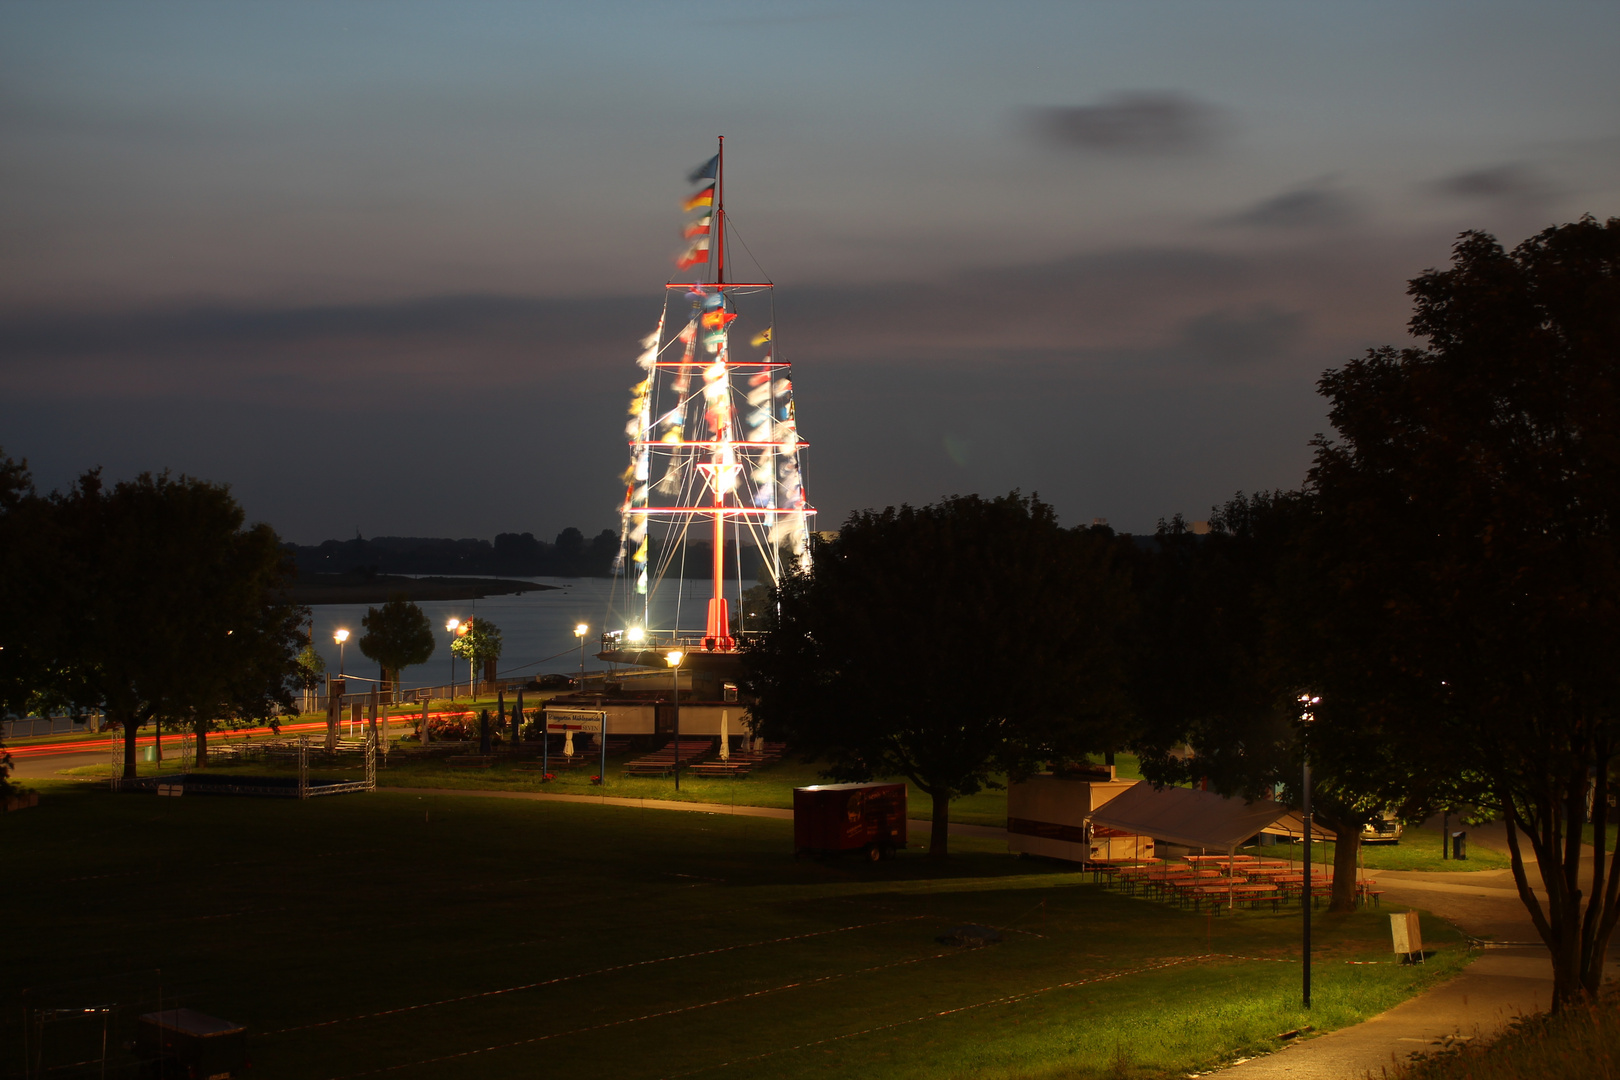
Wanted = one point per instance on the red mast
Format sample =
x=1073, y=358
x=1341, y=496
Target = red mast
x=722, y=470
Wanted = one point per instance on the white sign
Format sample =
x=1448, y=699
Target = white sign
x=588, y=723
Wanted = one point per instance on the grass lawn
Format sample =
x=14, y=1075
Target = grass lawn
x=445, y=936
x=1419, y=849
x=770, y=786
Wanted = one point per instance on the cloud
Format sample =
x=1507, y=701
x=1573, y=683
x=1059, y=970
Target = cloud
x=1510, y=182
x=1228, y=338
x=1147, y=122
x=1312, y=206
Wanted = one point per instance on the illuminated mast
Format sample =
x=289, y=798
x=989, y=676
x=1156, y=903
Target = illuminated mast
x=745, y=470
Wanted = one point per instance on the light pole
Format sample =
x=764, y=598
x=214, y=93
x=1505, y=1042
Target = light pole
x=1307, y=702
x=340, y=637
x=580, y=631
x=450, y=628
x=674, y=658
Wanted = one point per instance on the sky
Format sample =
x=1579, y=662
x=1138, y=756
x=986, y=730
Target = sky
x=384, y=267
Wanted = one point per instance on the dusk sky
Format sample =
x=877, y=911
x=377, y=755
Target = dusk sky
x=385, y=266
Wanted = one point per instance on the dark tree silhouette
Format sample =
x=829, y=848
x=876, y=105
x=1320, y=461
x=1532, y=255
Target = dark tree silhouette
x=946, y=644
x=397, y=636
x=1234, y=631
x=1474, y=485
x=171, y=608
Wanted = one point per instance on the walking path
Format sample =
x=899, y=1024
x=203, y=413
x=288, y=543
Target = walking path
x=1512, y=978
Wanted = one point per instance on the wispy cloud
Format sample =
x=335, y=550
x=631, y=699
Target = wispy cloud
x=1310, y=206
x=1508, y=182
x=1145, y=122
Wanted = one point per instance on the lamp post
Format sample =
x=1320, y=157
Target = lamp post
x=1307, y=702
x=340, y=637
x=580, y=631
x=674, y=658
x=450, y=628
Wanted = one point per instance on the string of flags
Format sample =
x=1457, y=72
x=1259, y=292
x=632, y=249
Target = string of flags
x=762, y=415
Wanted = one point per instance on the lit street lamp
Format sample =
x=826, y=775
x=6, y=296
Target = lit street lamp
x=450, y=628
x=674, y=658
x=580, y=631
x=1307, y=702
x=340, y=637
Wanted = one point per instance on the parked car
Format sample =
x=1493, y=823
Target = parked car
x=554, y=681
x=1385, y=829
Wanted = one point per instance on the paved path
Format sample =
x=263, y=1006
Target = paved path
x=1513, y=977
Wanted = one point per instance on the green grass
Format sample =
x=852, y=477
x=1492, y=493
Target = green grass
x=650, y=943
x=770, y=786
x=1418, y=849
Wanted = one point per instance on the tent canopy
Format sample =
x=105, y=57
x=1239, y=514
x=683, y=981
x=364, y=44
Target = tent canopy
x=1200, y=819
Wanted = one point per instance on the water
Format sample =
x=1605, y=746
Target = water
x=537, y=628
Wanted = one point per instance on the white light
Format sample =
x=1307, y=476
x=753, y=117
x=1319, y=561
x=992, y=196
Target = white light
x=674, y=657
x=581, y=630
x=341, y=636
x=452, y=624
x=636, y=634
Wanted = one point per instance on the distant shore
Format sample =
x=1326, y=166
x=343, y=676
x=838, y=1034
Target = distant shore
x=353, y=589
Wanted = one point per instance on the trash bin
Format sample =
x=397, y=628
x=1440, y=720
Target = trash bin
x=1459, y=845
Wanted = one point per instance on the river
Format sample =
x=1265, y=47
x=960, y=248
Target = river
x=537, y=628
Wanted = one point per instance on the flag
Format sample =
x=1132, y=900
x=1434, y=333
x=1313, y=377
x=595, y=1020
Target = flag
x=699, y=227
x=705, y=171
x=716, y=320
x=697, y=253
x=702, y=198
x=762, y=337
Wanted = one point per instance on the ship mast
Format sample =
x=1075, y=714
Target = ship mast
x=704, y=417
x=722, y=471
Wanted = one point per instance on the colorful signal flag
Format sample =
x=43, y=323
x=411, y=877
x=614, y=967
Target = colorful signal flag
x=701, y=199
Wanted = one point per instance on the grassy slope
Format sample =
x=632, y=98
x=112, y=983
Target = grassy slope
x=280, y=914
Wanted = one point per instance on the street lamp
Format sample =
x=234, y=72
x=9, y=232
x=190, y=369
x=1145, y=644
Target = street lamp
x=674, y=658
x=340, y=637
x=450, y=628
x=635, y=635
x=1307, y=702
x=580, y=631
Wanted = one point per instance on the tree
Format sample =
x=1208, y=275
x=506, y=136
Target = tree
x=947, y=644
x=1235, y=630
x=311, y=666
x=479, y=645
x=1475, y=485
x=173, y=609
x=397, y=636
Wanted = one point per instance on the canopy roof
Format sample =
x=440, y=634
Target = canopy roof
x=1200, y=819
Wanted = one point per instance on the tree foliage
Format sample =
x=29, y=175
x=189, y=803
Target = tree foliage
x=397, y=636
x=167, y=608
x=947, y=644
x=481, y=642
x=1237, y=627
x=1474, y=487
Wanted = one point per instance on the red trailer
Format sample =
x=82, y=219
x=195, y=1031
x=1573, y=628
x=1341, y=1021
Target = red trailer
x=833, y=818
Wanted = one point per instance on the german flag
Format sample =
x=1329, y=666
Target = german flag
x=700, y=200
